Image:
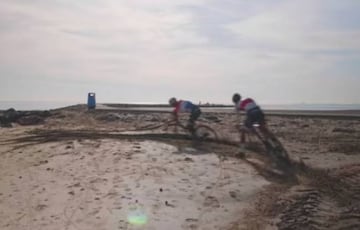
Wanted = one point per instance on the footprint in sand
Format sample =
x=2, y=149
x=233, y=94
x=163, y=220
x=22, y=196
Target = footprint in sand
x=40, y=207
x=123, y=224
x=235, y=194
x=211, y=201
x=190, y=223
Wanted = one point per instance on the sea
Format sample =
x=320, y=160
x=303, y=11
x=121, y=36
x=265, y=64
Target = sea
x=48, y=105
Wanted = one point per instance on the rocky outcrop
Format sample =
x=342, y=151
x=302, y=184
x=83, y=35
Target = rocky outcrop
x=11, y=115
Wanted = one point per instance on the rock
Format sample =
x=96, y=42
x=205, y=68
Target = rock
x=188, y=159
x=109, y=117
x=342, y=130
x=4, y=122
x=11, y=115
x=23, y=118
x=212, y=118
x=30, y=120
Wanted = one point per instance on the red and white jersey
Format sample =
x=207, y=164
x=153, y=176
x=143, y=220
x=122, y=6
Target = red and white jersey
x=184, y=107
x=246, y=105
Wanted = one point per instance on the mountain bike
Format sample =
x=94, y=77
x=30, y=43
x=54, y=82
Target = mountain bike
x=200, y=132
x=273, y=146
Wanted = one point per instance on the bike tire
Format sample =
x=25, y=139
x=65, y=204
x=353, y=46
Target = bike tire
x=204, y=132
x=278, y=153
x=280, y=150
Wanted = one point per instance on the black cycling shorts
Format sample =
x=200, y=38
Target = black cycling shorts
x=195, y=113
x=254, y=116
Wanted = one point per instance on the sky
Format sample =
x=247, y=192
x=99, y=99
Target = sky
x=136, y=51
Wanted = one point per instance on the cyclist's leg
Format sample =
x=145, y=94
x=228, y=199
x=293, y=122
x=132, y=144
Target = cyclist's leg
x=259, y=117
x=194, y=115
x=248, y=125
x=244, y=132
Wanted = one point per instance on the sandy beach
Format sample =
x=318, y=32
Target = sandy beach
x=110, y=169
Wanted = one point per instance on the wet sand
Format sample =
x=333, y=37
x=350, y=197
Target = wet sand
x=108, y=169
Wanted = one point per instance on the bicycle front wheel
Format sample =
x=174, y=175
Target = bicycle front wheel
x=278, y=152
x=204, y=132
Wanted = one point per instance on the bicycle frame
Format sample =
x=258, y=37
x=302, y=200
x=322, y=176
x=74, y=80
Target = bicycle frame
x=273, y=146
x=200, y=132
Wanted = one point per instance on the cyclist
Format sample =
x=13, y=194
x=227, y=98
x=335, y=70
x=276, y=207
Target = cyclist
x=182, y=106
x=254, y=114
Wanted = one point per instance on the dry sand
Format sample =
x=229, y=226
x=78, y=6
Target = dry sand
x=108, y=170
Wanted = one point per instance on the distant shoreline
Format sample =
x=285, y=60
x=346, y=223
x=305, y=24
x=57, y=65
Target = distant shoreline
x=349, y=114
x=285, y=110
x=266, y=106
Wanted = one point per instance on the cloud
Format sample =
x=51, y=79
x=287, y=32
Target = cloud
x=85, y=40
x=200, y=49
x=297, y=26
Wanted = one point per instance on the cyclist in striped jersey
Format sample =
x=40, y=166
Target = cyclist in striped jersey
x=254, y=115
x=182, y=106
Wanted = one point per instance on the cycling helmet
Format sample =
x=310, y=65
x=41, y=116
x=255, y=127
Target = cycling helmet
x=172, y=101
x=236, y=98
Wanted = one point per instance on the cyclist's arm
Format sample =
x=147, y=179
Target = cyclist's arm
x=174, y=115
x=238, y=121
x=175, y=112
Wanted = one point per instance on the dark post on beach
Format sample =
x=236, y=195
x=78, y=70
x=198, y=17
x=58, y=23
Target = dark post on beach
x=91, y=101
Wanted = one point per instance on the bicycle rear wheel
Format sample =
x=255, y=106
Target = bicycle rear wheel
x=204, y=132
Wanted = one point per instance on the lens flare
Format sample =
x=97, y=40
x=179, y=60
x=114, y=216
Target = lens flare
x=137, y=217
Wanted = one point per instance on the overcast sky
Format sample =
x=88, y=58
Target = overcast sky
x=275, y=51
